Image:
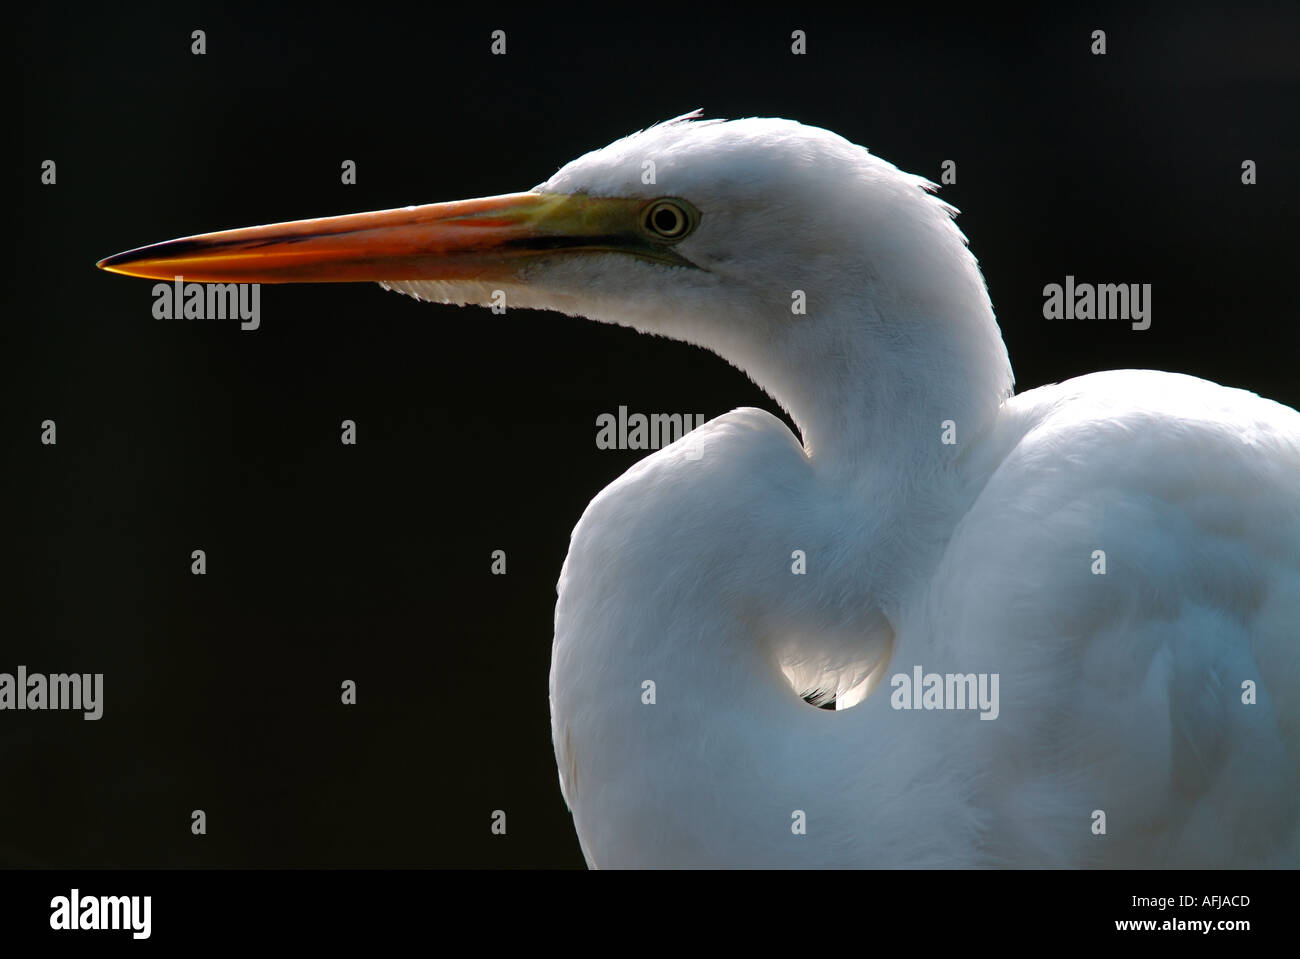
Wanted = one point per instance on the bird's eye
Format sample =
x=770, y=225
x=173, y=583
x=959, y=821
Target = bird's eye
x=667, y=219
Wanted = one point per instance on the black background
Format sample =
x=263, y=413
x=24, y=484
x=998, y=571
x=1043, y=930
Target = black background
x=476, y=432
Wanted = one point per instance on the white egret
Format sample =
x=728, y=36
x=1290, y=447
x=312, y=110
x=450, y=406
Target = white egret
x=1110, y=567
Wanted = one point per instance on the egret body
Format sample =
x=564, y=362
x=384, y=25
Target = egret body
x=942, y=525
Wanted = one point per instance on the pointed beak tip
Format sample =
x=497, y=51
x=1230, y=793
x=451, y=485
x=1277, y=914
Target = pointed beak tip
x=113, y=264
x=130, y=263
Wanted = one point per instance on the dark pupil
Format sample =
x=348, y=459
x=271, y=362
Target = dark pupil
x=666, y=220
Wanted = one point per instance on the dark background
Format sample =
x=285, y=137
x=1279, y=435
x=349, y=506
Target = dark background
x=476, y=432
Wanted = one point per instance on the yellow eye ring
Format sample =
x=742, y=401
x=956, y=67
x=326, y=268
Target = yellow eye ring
x=667, y=220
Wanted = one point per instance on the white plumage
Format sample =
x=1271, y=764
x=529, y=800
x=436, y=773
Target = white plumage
x=1120, y=692
x=1114, y=560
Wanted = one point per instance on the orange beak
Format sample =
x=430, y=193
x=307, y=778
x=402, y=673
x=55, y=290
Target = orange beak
x=465, y=240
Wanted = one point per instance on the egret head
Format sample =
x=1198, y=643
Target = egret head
x=784, y=248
